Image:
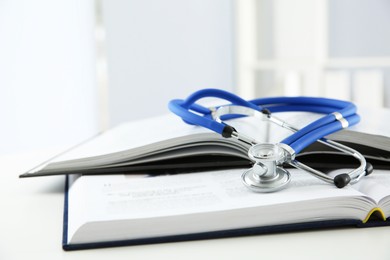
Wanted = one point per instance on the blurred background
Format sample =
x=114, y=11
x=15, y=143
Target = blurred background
x=70, y=69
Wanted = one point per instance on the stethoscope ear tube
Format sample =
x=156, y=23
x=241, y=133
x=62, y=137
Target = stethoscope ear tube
x=217, y=93
x=300, y=140
x=196, y=114
x=177, y=107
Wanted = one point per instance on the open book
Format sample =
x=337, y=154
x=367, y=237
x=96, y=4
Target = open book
x=116, y=210
x=166, y=143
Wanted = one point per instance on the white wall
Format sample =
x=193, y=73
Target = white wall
x=47, y=73
x=156, y=51
x=332, y=48
x=159, y=50
x=359, y=28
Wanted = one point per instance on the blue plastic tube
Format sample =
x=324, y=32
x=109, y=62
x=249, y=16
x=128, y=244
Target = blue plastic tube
x=193, y=113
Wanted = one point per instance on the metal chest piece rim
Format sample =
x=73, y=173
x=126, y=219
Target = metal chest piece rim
x=266, y=175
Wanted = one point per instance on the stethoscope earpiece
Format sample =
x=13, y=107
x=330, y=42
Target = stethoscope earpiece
x=342, y=180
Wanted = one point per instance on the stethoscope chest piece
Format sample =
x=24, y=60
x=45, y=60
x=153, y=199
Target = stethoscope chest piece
x=266, y=175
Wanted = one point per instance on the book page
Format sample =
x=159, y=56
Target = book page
x=164, y=128
x=113, y=198
x=373, y=121
x=136, y=141
x=377, y=186
x=140, y=133
x=194, y=192
x=149, y=136
x=132, y=135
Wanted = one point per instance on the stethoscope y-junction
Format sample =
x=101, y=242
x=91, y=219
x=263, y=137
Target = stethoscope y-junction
x=267, y=173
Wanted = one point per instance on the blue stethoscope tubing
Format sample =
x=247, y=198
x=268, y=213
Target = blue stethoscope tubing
x=195, y=114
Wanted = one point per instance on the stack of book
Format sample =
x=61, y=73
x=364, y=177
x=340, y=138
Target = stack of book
x=160, y=180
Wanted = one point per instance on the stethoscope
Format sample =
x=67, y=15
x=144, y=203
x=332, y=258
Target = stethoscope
x=267, y=173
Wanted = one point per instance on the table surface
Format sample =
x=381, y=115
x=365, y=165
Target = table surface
x=31, y=228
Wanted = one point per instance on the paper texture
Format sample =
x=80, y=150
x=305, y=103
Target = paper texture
x=117, y=202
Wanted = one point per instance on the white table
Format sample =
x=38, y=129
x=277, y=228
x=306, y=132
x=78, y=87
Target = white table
x=31, y=228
